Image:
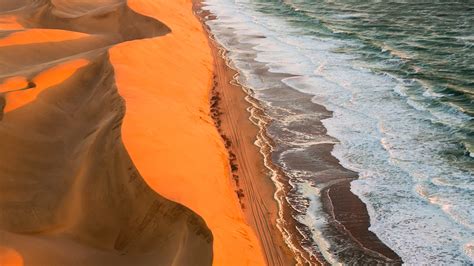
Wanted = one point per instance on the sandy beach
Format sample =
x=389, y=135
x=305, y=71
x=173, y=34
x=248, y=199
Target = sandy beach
x=252, y=181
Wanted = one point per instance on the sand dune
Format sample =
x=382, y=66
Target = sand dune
x=69, y=192
x=108, y=153
x=169, y=133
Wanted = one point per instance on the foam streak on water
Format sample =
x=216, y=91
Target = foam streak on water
x=402, y=111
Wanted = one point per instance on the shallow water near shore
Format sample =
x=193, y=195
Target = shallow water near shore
x=396, y=83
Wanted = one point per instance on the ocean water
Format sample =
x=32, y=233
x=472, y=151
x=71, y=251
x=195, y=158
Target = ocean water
x=398, y=78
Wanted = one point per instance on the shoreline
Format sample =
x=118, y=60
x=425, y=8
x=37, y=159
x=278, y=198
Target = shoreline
x=241, y=122
x=348, y=216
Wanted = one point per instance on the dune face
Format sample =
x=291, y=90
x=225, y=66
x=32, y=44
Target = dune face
x=70, y=194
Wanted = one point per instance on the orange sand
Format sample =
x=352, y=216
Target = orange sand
x=9, y=23
x=168, y=132
x=9, y=257
x=43, y=80
x=13, y=83
x=40, y=36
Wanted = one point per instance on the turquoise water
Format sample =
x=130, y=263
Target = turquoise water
x=399, y=79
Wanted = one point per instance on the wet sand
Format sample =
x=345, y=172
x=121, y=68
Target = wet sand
x=350, y=214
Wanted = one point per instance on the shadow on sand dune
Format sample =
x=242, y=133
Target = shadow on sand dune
x=69, y=192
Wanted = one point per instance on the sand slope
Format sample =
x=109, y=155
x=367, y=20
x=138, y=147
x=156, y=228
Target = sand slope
x=69, y=192
x=168, y=131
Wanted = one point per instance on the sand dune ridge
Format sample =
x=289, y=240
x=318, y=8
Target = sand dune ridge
x=69, y=191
